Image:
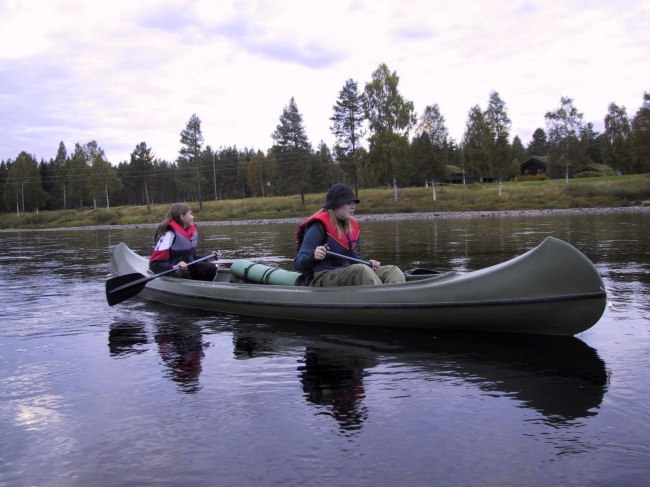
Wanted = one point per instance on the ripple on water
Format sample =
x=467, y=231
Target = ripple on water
x=53, y=307
x=141, y=392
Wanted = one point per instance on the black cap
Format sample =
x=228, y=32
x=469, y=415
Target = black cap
x=338, y=195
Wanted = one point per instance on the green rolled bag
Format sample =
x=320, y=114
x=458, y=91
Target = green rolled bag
x=264, y=274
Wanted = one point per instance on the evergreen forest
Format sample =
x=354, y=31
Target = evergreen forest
x=380, y=142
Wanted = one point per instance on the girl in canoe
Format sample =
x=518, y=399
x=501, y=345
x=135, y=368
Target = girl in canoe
x=175, y=246
x=334, y=228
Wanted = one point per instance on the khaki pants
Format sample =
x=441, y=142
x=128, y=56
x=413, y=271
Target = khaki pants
x=358, y=275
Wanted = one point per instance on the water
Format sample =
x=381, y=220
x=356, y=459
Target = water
x=143, y=394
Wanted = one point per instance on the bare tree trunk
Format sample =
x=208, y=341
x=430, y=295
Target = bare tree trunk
x=198, y=183
x=214, y=177
x=394, y=187
x=146, y=196
x=566, y=172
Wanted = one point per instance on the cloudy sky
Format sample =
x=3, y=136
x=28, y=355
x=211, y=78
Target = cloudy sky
x=126, y=71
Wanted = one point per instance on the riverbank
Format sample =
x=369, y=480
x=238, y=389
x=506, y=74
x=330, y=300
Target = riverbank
x=451, y=215
x=451, y=201
x=377, y=217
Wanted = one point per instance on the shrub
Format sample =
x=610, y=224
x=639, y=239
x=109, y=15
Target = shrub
x=593, y=174
x=533, y=177
x=105, y=217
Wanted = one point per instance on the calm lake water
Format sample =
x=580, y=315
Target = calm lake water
x=142, y=394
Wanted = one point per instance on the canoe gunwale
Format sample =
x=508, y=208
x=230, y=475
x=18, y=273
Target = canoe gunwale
x=440, y=304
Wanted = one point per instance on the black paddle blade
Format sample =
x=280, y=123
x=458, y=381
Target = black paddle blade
x=121, y=288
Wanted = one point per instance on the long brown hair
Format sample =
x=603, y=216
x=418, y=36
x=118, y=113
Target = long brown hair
x=174, y=214
x=342, y=227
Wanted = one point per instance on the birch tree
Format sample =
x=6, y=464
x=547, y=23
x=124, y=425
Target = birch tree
x=390, y=117
x=564, y=126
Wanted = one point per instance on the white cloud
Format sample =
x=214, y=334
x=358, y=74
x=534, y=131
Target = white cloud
x=124, y=72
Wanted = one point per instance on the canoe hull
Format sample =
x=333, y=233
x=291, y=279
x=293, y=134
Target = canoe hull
x=552, y=289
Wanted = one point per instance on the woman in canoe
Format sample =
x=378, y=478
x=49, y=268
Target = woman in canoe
x=175, y=247
x=334, y=228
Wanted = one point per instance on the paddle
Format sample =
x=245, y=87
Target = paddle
x=412, y=272
x=351, y=259
x=121, y=288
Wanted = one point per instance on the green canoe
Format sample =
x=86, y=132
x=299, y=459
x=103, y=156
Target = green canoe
x=552, y=289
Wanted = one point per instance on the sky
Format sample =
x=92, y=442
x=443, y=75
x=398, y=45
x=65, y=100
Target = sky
x=129, y=71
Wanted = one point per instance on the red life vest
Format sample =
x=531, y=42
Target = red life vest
x=176, y=244
x=344, y=244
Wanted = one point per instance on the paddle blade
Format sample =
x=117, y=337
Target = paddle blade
x=121, y=288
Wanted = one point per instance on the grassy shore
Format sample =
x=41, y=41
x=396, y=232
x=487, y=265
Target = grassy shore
x=597, y=192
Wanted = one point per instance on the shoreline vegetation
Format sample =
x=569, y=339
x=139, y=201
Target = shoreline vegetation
x=630, y=193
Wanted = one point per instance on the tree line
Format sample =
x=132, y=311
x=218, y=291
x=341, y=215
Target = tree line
x=379, y=141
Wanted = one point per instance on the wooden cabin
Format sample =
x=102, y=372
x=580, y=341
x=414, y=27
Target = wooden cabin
x=534, y=165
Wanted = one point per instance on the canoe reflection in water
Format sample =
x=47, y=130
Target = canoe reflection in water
x=562, y=378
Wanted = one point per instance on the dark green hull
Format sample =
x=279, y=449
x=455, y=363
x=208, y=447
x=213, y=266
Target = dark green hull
x=551, y=289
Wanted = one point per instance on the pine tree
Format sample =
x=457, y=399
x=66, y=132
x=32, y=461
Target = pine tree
x=23, y=188
x=617, y=135
x=477, y=144
x=140, y=170
x=593, y=144
x=59, y=172
x=498, y=123
x=292, y=150
x=76, y=175
x=347, y=127
x=190, y=155
x=4, y=173
x=538, y=145
x=640, y=137
x=228, y=165
x=322, y=169
x=432, y=124
x=518, y=150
